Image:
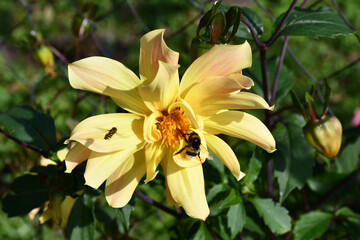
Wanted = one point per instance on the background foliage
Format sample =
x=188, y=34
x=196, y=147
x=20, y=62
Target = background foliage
x=293, y=193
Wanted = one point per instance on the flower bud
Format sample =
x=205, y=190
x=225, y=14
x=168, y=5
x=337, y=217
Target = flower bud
x=45, y=57
x=324, y=135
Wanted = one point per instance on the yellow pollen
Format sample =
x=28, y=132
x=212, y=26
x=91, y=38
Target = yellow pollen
x=171, y=125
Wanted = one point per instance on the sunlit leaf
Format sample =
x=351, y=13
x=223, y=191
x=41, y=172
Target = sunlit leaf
x=274, y=215
x=236, y=218
x=312, y=225
x=323, y=22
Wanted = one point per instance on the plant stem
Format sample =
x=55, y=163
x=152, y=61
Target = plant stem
x=278, y=69
x=269, y=179
x=259, y=43
x=148, y=200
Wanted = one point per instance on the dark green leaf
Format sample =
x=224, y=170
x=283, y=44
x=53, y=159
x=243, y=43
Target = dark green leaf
x=236, y=218
x=254, y=20
x=252, y=226
x=30, y=126
x=215, y=190
x=312, y=225
x=274, y=215
x=81, y=223
x=202, y=233
x=353, y=227
x=125, y=214
x=323, y=22
x=222, y=201
x=324, y=182
x=253, y=170
x=346, y=212
x=294, y=158
x=26, y=193
x=349, y=158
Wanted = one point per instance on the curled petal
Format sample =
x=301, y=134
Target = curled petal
x=225, y=154
x=163, y=90
x=109, y=77
x=241, y=125
x=152, y=50
x=154, y=153
x=101, y=165
x=241, y=100
x=194, y=121
x=186, y=186
x=109, y=132
x=77, y=154
x=151, y=133
x=221, y=60
x=121, y=185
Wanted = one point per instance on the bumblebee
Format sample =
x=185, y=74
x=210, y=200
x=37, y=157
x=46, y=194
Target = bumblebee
x=193, y=148
x=110, y=133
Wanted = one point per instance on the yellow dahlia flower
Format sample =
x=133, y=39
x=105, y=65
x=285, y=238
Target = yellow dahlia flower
x=163, y=114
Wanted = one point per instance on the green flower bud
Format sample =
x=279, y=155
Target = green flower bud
x=44, y=56
x=324, y=135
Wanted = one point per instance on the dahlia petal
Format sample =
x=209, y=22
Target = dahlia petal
x=109, y=132
x=151, y=133
x=187, y=188
x=152, y=50
x=241, y=100
x=101, y=165
x=109, y=77
x=77, y=154
x=241, y=125
x=121, y=185
x=221, y=60
x=225, y=154
x=154, y=153
x=194, y=121
x=163, y=90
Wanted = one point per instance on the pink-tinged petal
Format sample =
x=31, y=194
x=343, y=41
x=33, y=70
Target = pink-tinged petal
x=187, y=188
x=77, y=154
x=154, y=153
x=225, y=154
x=221, y=60
x=121, y=185
x=151, y=133
x=101, y=165
x=241, y=125
x=163, y=90
x=152, y=50
x=241, y=100
x=109, y=132
x=109, y=77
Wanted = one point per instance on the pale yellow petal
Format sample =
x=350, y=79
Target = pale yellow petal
x=101, y=165
x=153, y=49
x=109, y=132
x=154, y=153
x=109, y=77
x=61, y=154
x=121, y=185
x=151, y=133
x=195, y=122
x=77, y=154
x=244, y=81
x=221, y=60
x=241, y=100
x=241, y=125
x=163, y=90
x=187, y=188
x=225, y=154
x=66, y=207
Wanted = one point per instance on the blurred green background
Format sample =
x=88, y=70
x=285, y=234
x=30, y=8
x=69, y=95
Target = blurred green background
x=115, y=32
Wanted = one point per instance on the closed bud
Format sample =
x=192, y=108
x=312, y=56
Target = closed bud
x=45, y=57
x=324, y=135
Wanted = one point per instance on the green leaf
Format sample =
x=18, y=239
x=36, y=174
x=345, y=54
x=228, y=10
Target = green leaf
x=312, y=225
x=125, y=214
x=222, y=201
x=252, y=226
x=324, y=182
x=26, y=193
x=255, y=21
x=349, y=158
x=323, y=22
x=81, y=223
x=30, y=126
x=346, y=212
x=275, y=216
x=353, y=227
x=202, y=233
x=294, y=159
x=253, y=169
x=236, y=218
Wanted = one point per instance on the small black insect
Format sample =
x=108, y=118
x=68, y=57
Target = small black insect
x=110, y=133
x=192, y=149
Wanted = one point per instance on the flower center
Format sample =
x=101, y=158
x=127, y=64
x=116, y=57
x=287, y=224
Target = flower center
x=172, y=125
